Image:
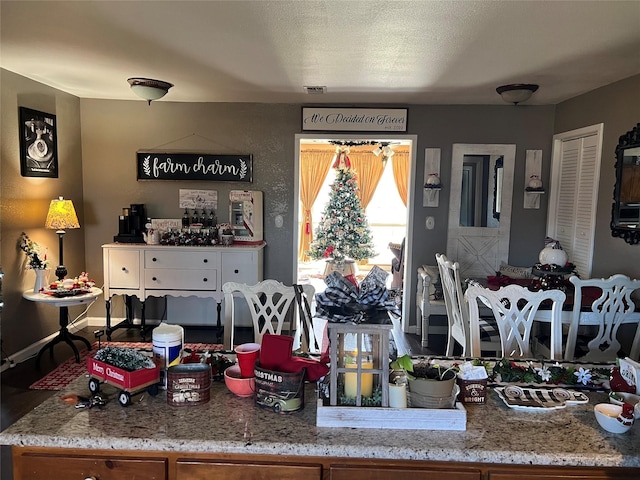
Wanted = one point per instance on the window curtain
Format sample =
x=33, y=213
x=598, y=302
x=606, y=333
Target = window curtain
x=400, y=164
x=369, y=169
x=314, y=167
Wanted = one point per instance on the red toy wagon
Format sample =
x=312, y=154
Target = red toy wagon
x=130, y=383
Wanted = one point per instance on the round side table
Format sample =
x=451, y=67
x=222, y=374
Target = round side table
x=63, y=303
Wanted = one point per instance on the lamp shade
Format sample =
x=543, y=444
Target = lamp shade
x=61, y=215
x=148, y=88
x=517, y=92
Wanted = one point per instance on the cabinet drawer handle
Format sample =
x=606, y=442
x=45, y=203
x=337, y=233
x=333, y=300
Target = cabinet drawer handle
x=205, y=260
x=91, y=478
x=124, y=269
x=154, y=259
x=154, y=278
x=205, y=279
x=235, y=271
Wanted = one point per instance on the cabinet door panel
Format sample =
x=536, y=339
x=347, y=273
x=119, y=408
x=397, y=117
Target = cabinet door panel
x=40, y=467
x=199, y=470
x=240, y=267
x=344, y=472
x=594, y=473
x=124, y=268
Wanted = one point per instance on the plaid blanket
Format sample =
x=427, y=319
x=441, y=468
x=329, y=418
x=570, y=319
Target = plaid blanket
x=342, y=301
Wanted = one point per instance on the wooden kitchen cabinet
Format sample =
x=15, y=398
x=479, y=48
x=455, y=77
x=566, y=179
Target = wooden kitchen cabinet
x=359, y=472
x=35, y=463
x=215, y=470
x=547, y=473
x=45, y=466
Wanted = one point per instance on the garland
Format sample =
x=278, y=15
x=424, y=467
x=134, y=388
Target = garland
x=509, y=371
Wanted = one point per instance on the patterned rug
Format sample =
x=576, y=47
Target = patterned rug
x=69, y=370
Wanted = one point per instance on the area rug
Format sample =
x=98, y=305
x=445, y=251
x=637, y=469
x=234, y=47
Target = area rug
x=69, y=370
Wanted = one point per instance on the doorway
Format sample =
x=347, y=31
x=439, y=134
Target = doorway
x=407, y=141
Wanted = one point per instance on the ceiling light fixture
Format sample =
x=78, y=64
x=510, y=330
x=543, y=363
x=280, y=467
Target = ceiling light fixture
x=517, y=92
x=148, y=88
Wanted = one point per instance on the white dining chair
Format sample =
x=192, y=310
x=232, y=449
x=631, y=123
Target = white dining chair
x=611, y=308
x=514, y=308
x=271, y=304
x=458, y=312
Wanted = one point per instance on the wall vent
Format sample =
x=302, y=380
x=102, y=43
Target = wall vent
x=315, y=90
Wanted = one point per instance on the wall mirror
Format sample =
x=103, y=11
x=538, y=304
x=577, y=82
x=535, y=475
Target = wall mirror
x=481, y=195
x=625, y=215
x=480, y=207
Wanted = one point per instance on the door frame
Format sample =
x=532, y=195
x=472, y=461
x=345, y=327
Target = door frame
x=408, y=295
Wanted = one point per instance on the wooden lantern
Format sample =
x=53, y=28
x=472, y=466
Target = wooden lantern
x=359, y=356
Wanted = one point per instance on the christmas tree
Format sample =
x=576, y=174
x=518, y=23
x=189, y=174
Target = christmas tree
x=343, y=231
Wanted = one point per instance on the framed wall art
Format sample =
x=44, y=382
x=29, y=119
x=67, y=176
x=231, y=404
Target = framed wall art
x=38, y=144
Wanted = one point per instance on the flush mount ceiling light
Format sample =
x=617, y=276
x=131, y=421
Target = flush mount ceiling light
x=517, y=92
x=148, y=88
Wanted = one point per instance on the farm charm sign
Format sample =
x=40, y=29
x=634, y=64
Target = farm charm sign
x=195, y=166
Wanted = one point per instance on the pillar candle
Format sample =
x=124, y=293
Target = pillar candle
x=351, y=381
x=397, y=396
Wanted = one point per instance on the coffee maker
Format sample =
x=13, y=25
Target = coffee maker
x=131, y=224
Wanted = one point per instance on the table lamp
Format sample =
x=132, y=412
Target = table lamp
x=61, y=216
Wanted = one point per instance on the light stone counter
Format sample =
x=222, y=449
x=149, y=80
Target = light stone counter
x=229, y=424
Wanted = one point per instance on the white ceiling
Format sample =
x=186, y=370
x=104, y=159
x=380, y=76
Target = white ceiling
x=392, y=51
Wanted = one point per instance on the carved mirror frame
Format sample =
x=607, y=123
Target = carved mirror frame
x=631, y=235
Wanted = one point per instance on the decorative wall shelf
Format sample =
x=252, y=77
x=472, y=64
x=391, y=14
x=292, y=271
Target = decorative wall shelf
x=532, y=172
x=431, y=194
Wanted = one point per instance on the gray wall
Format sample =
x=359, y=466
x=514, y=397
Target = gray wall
x=102, y=179
x=618, y=107
x=25, y=202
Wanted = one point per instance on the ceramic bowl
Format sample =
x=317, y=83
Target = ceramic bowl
x=243, y=387
x=618, y=398
x=606, y=415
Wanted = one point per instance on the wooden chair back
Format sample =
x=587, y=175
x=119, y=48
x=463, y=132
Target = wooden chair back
x=457, y=311
x=514, y=308
x=609, y=311
x=270, y=304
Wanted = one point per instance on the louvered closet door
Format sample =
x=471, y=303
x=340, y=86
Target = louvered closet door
x=572, y=208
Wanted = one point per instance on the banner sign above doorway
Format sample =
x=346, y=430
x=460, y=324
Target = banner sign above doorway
x=195, y=166
x=355, y=119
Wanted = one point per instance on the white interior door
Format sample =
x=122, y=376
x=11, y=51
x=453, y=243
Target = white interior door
x=480, y=249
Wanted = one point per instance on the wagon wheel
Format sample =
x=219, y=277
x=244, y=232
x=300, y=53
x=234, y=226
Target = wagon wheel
x=94, y=385
x=153, y=390
x=124, y=398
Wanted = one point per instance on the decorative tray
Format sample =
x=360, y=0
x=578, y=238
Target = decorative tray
x=539, y=399
x=64, y=292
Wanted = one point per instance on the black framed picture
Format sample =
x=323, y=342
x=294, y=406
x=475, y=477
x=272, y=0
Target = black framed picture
x=38, y=144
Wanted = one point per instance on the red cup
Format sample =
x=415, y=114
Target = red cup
x=247, y=354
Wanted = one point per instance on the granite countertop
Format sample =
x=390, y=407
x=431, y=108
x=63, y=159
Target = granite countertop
x=230, y=424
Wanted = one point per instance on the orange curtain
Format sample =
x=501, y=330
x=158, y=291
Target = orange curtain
x=400, y=164
x=369, y=169
x=314, y=166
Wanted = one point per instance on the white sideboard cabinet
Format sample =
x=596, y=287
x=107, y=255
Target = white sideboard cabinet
x=142, y=271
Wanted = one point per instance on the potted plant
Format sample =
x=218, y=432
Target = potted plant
x=426, y=379
x=399, y=370
x=36, y=260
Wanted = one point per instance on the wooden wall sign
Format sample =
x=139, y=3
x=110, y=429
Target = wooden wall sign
x=195, y=166
x=354, y=119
